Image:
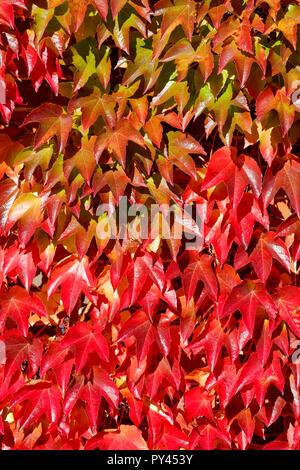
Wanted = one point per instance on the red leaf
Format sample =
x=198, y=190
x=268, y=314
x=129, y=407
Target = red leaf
x=172, y=438
x=40, y=398
x=17, y=304
x=83, y=339
x=18, y=349
x=245, y=298
x=198, y=403
x=52, y=122
x=288, y=179
x=288, y=305
x=176, y=13
x=141, y=328
x=267, y=248
x=125, y=438
x=74, y=276
x=200, y=270
x=117, y=139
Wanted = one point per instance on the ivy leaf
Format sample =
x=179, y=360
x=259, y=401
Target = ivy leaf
x=117, y=139
x=235, y=172
x=93, y=106
x=18, y=349
x=199, y=270
x=17, y=305
x=106, y=386
x=288, y=306
x=36, y=400
x=172, y=438
x=198, y=403
x=127, y=437
x=74, y=276
x=53, y=122
x=26, y=210
x=266, y=101
x=8, y=193
x=85, y=64
x=115, y=180
x=144, y=66
x=212, y=342
x=175, y=14
x=180, y=146
x=54, y=357
x=92, y=394
x=245, y=298
x=7, y=11
x=78, y=9
x=126, y=19
x=83, y=160
x=267, y=248
x=83, y=339
x=163, y=374
x=116, y=6
x=288, y=179
x=141, y=328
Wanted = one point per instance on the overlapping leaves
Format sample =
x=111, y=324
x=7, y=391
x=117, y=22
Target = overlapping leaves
x=116, y=339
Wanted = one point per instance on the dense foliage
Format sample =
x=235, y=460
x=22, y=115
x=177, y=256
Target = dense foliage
x=132, y=342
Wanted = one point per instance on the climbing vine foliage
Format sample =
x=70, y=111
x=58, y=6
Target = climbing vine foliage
x=117, y=337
